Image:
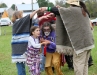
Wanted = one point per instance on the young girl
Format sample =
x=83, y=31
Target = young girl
x=33, y=51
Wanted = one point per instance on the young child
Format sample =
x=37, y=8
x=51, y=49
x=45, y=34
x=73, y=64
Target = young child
x=33, y=51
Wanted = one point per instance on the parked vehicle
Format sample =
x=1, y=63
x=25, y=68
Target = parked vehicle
x=5, y=21
x=94, y=21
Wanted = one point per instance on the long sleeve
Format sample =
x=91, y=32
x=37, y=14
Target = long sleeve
x=34, y=42
x=20, y=34
x=52, y=45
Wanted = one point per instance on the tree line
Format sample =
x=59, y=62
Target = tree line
x=91, y=5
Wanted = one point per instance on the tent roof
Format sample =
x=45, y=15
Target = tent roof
x=2, y=9
x=27, y=6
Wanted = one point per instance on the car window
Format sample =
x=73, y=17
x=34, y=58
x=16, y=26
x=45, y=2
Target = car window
x=3, y=20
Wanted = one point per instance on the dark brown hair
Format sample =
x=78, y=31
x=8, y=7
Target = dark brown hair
x=47, y=24
x=17, y=15
x=32, y=29
x=84, y=9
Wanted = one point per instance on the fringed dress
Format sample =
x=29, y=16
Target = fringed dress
x=33, y=55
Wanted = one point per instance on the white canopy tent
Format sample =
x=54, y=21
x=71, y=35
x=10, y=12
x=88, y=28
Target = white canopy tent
x=2, y=11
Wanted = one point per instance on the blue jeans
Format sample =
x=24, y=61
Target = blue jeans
x=42, y=65
x=21, y=68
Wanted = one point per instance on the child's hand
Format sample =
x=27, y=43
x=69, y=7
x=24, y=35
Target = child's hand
x=46, y=17
x=47, y=41
x=42, y=40
x=51, y=15
x=43, y=9
x=44, y=43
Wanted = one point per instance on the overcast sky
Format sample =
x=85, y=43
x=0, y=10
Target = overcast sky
x=10, y=2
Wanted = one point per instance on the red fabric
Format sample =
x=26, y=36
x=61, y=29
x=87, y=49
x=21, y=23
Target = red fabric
x=62, y=60
x=47, y=20
x=44, y=50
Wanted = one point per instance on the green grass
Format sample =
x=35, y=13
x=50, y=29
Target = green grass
x=8, y=68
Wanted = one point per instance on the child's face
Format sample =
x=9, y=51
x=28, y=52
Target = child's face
x=36, y=33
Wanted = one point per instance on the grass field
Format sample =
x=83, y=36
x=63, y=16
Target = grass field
x=7, y=68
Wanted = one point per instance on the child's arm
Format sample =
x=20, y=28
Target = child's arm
x=33, y=13
x=31, y=41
